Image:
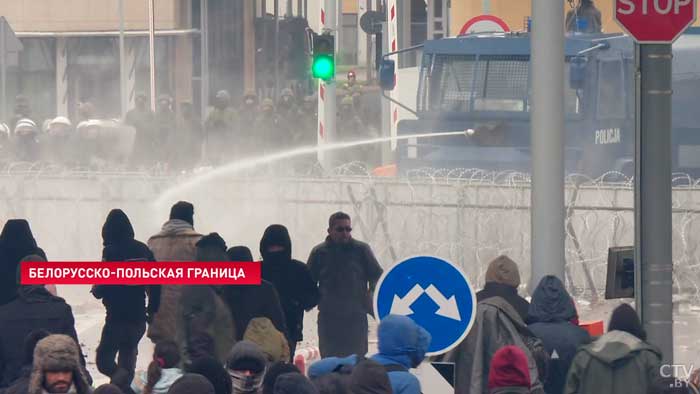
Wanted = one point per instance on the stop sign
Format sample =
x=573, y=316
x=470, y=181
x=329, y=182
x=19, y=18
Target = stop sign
x=655, y=21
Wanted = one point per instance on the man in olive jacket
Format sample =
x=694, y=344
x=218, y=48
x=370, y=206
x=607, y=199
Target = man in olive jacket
x=618, y=362
x=347, y=272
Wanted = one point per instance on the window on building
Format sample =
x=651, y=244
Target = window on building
x=34, y=71
x=348, y=48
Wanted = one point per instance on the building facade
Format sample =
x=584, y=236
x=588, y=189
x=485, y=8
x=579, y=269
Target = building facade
x=71, y=53
x=71, y=47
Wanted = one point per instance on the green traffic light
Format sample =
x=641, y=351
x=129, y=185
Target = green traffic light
x=323, y=67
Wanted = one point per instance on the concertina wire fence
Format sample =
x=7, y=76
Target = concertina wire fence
x=466, y=216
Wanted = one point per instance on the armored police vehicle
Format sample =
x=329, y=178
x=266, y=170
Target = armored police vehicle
x=480, y=84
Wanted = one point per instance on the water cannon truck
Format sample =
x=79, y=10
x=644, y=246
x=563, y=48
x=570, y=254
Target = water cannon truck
x=481, y=84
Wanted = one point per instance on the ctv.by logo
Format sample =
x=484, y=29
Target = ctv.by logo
x=682, y=373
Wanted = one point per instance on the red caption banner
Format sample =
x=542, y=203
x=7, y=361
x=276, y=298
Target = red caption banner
x=140, y=273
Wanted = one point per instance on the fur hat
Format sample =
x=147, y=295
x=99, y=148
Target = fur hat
x=57, y=353
x=246, y=355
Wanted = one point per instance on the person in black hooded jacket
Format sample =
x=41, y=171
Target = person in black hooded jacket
x=549, y=318
x=247, y=302
x=16, y=242
x=292, y=279
x=125, y=322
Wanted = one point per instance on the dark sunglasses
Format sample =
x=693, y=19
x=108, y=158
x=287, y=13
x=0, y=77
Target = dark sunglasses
x=343, y=229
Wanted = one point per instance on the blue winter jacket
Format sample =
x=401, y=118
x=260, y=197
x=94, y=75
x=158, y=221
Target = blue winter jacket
x=401, y=343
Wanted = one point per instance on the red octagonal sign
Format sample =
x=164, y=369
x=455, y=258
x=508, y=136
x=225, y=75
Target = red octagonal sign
x=655, y=21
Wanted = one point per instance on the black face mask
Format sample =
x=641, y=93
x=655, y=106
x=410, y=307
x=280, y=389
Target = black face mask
x=279, y=256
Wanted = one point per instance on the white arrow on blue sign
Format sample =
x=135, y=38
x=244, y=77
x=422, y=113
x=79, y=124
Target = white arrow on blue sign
x=434, y=293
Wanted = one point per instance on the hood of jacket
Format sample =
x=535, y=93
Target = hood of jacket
x=402, y=340
x=625, y=318
x=17, y=237
x=327, y=365
x=273, y=343
x=509, y=368
x=617, y=345
x=117, y=228
x=16, y=242
x=551, y=302
x=276, y=234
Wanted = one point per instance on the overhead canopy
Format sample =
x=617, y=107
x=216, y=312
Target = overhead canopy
x=12, y=44
x=105, y=33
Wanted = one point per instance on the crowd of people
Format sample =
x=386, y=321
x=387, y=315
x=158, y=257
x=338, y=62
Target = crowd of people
x=242, y=339
x=171, y=138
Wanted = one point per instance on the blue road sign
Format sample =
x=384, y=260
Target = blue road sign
x=434, y=293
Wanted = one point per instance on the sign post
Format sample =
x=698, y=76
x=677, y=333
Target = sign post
x=654, y=25
x=547, y=212
x=327, y=112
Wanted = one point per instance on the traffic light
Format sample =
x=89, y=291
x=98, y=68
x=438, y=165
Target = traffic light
x=323, y=66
